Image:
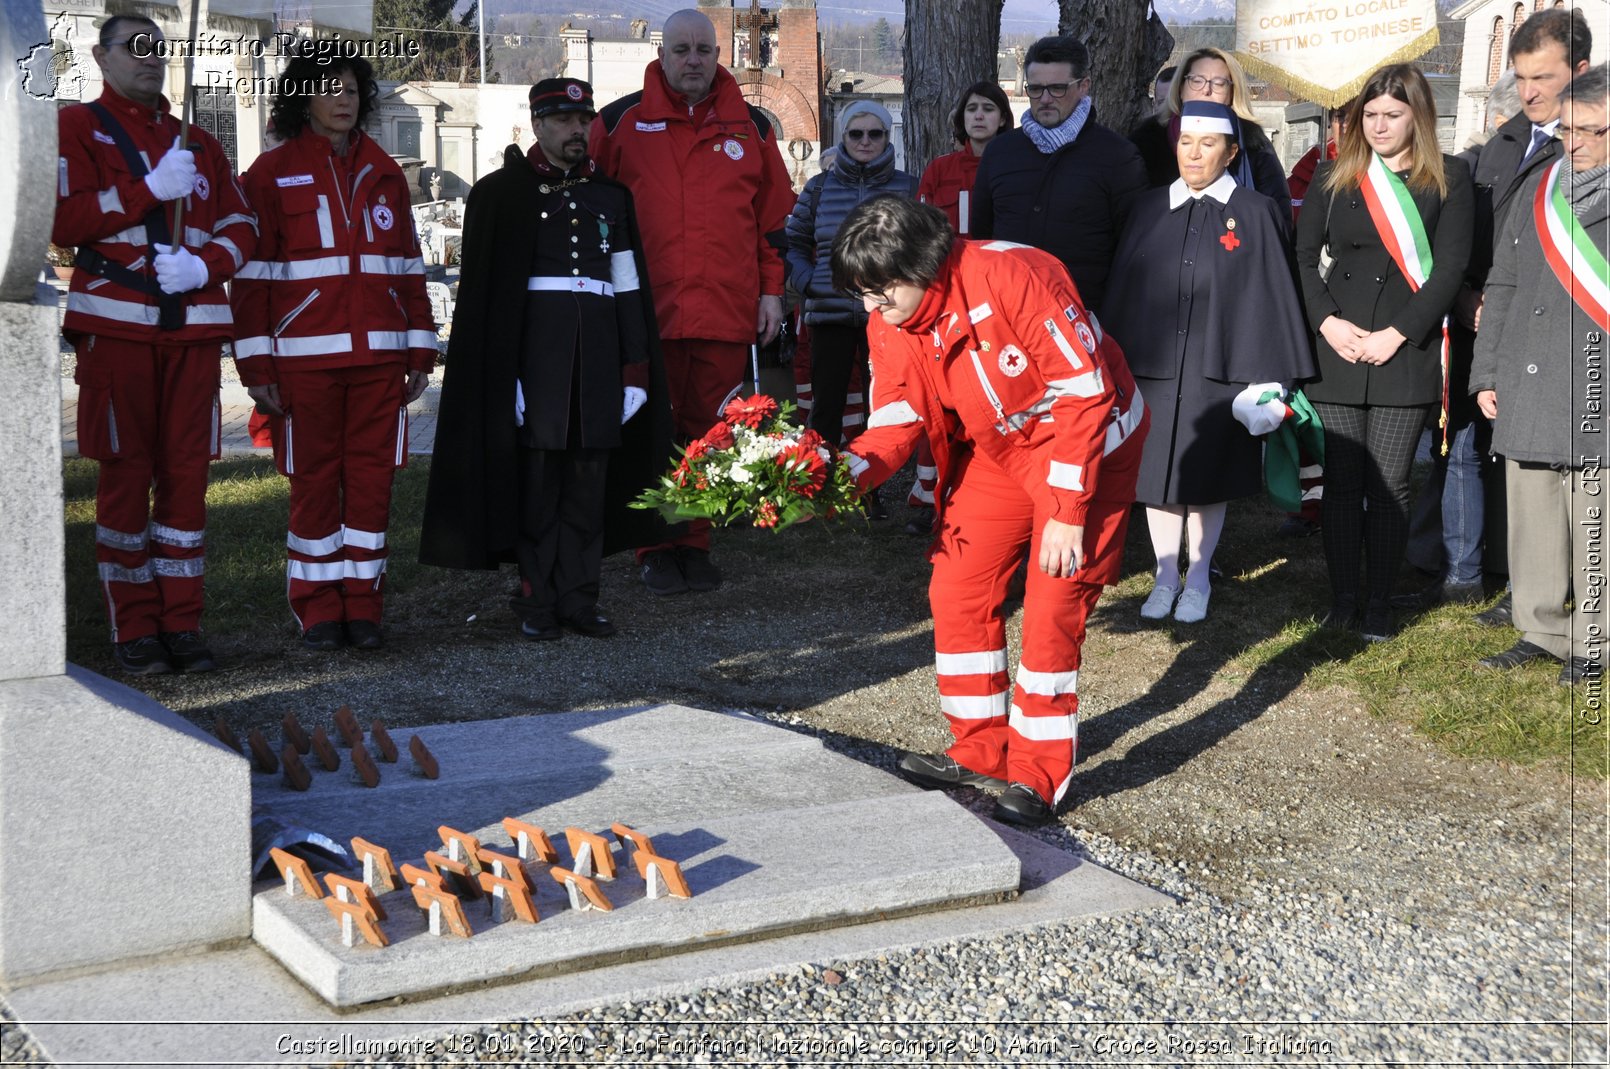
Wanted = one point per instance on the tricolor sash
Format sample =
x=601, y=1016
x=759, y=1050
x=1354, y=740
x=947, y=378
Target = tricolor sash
x=1397, y=221
x=1571, y=254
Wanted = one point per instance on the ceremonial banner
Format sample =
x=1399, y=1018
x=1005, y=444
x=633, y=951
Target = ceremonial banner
x=1323, y=50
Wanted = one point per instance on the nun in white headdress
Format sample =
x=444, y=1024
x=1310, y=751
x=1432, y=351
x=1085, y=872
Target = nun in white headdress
x=1203, y=297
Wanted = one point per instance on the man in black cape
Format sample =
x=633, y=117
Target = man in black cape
x=540, y=443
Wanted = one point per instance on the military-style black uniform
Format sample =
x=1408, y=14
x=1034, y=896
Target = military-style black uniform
x=553, y=317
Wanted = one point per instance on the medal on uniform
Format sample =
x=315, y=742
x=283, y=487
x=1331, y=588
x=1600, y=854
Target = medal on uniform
x=603, y=236
x=1228, y=238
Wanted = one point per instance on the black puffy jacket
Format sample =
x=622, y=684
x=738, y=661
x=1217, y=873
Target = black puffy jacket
x=815, y=221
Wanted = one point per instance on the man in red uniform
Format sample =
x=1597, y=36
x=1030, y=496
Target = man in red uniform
x=712, y=197
x=984, y=349
x=147, y=314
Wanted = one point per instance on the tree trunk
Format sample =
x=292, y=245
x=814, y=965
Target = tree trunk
x=1127, y=43
x=950, y=44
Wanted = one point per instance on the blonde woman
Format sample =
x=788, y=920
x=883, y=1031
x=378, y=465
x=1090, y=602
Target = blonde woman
x=1213, y=75
x=1398, y=217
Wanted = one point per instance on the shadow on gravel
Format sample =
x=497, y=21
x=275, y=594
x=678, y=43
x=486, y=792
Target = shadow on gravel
x=1246, y=613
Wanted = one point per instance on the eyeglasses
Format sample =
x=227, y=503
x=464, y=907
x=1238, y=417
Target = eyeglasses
x=1583, y=132
x=1200, y=82
x=877, y=134
x=1058, y=90
x=880, y=297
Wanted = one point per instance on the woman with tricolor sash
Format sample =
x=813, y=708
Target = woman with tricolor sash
x=1393, y=217
x=1539, y=374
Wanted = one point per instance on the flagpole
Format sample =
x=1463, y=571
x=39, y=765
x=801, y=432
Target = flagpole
x=184, y=115
x=480, y=21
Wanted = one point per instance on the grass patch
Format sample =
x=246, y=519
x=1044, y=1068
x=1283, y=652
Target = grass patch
x=1260, y=637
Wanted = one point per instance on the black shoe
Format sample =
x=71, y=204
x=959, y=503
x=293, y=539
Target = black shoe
x=1022, y=804
x=541, y=632
x=364, y=635
x=142, y=657
x=1377, y=625
x=661, y=573
x=187, y=651
x=1343, y=616
x=697, y=569
x=941, y=770
x=324, y=637
x=1502, y=614
x=593, y=625
x=1523, y=652
x=1443, y=593
x=1297, y=527
x=874, y=507
x=1576, y=669
x=921, y=522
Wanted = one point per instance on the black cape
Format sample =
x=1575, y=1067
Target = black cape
x=1200, y=315
x=472, y=503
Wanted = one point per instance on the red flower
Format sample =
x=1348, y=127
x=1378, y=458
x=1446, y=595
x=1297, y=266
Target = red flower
x=811, y=440
x=807, y=462
x=751, y=411
x=696, y=449
x=766, y=515
x=719, y=436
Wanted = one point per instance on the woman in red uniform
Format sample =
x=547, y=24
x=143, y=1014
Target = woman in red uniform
x=947, y=184
x=984, y=351
x=334, y=337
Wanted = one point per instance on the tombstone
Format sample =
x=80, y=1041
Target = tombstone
x=137, y=780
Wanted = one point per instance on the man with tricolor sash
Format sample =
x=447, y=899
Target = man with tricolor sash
x=1539, y=374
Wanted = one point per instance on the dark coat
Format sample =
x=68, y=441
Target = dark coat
x=472, y=504
x=1151, y=139
x=1367, y=289
x=814, y=223
x=1072, y=203
x=1199, y=321
x=1542, y=355
x=1498, y=181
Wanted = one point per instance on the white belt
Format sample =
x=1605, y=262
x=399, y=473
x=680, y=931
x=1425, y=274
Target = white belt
x=570, y=285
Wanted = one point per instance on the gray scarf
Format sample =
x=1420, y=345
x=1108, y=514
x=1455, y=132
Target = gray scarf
x=1584, y=189
x=1050, y=138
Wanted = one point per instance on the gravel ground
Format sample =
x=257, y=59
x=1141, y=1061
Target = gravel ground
x=1347, y=892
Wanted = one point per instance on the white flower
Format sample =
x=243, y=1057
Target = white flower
x=740, y=474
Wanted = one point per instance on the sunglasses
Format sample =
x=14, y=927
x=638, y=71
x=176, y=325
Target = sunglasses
x=868, y=135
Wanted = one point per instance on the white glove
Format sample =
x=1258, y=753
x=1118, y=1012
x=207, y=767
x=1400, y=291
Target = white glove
x=635, y=396
x=1262, y=418
x=174, y=176
x=179, y=271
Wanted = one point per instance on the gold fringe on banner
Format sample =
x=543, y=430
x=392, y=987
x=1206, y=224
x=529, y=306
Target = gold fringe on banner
x=1335, y=97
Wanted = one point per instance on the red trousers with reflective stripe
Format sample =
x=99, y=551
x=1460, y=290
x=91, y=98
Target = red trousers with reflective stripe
x=344, y=434
x=701, y=376
x=149, y=414
x=1023, y=730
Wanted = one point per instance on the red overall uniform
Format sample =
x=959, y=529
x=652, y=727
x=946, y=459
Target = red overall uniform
x=148, y=397
x=1032, y=415
x=712, y=198
x=333, y=308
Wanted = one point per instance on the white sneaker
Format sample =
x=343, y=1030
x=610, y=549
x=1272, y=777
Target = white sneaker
x=1192, y=608
x=1159, y=602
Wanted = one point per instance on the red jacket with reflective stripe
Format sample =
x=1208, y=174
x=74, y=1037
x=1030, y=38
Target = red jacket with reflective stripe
x=101, y=204
x=712, y=203
x=1025, y=368
x=337, y=280
x=947, y=181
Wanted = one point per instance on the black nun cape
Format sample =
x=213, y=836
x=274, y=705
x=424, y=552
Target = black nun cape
x=472, y=504
x=1203, y=299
